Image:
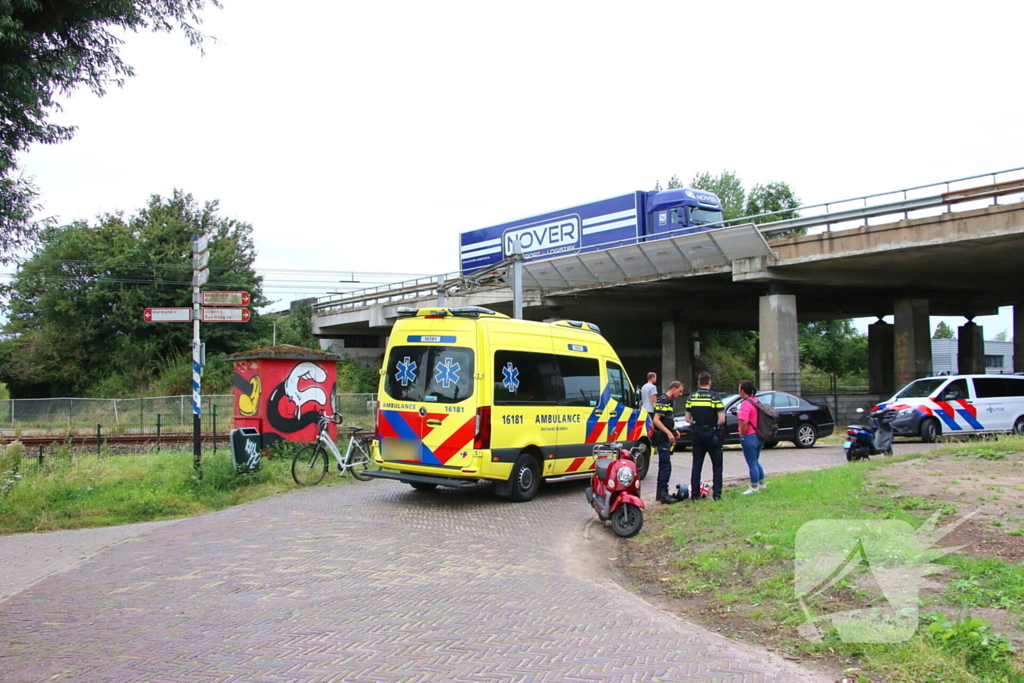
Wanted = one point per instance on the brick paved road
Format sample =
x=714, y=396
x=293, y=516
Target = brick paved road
x=371, y=582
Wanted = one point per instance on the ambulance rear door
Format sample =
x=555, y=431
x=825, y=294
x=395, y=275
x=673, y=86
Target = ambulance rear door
x=430, y=386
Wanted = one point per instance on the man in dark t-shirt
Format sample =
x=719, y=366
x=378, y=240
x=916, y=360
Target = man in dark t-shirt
x=665, y=437
x=706, y=415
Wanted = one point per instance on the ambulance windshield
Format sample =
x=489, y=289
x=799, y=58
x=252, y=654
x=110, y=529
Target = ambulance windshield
x=429, y=374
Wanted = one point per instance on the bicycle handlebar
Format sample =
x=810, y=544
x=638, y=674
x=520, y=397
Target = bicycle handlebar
x=336, y=418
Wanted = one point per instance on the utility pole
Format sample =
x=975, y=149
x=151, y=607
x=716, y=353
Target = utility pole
x=517, y=280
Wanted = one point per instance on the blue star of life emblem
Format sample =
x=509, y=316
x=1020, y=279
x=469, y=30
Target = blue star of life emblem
x=406, y=371
x=447, y=373
x=511, y=374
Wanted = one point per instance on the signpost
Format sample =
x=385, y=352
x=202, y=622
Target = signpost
x=225, y=298
x=200, y=276
x=195, y=315
x=167, y=315
x=225, y=315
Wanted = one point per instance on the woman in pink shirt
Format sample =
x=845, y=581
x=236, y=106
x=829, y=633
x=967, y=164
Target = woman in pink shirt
x=749, y=439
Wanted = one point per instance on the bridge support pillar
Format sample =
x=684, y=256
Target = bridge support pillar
x=779, y=361
x=1018, y=337
x=880, y=358
x=970, y=352
x=676, y=355
x=912, y=356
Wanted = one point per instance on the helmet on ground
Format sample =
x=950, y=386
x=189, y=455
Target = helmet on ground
x=682, y=491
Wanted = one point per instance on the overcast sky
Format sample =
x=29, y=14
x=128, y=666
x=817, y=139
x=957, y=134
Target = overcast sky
x=360, y=136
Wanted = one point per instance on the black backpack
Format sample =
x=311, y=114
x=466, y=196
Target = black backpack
x=767, y=428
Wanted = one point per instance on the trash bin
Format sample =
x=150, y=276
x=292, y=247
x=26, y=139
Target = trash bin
x=246, y=444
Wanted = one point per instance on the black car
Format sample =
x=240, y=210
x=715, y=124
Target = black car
x=800, y=421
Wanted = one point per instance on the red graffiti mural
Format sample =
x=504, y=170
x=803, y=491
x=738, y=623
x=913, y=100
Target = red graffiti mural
x=284, y=397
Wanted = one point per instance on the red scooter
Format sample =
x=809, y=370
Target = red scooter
x=614, y=490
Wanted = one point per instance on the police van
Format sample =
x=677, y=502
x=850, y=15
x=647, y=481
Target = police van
x=959, y=404
x=469, y=395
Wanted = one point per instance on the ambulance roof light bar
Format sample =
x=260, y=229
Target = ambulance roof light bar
x=580, y=325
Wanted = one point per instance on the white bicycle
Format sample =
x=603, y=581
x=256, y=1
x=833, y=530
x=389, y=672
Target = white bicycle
x=310, y=463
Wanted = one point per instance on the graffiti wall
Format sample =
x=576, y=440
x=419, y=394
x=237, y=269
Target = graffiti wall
x=285, y=396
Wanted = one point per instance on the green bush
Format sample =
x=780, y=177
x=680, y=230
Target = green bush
x=983, y=650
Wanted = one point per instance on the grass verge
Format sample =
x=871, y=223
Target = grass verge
x=88, y=491
x=731, y=566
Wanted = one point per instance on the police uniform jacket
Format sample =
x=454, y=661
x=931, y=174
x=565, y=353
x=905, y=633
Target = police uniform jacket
x=704, y=406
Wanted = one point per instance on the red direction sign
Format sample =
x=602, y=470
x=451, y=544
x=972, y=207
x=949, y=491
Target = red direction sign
x=225, y=298
x=167, y=315
x=224, y=315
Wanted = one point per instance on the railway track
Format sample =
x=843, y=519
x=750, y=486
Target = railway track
x=36, y=440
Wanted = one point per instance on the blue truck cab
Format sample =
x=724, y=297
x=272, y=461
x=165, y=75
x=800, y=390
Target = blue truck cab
x=626, y=219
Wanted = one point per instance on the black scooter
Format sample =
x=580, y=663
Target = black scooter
x=874, y=439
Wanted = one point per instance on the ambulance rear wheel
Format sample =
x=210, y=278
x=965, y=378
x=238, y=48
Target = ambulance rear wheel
x=525, y=478
x=929, y=430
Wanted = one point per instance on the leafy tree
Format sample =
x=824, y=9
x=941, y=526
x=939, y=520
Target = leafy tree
x=53, y=47
x=728, y=188
x=833, y=346
x=1002, y=336
x=356, y=378
x=76, y=314
x=943, y=331
x=771, y=198
x=295, y=327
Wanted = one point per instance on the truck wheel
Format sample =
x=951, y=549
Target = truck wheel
x=930, y=430
x=805, y=436
x=525, y=478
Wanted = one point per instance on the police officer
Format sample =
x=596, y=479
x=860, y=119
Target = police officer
x=665, y=438
x=706, y=415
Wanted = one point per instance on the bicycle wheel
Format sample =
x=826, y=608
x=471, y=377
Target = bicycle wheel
x=359, y=460
x=309, y=466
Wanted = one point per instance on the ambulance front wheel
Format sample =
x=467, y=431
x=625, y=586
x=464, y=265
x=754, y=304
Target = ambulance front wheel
x=525, y=478
x=642, y=458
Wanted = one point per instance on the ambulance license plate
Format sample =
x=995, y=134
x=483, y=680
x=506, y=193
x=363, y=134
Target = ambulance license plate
x=401, y=450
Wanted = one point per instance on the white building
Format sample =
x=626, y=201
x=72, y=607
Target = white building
x=998, y=357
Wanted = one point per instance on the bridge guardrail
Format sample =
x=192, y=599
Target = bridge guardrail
x=421, y=288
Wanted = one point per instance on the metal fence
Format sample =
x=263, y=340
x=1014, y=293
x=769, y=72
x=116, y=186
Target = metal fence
x=52, y=413
x=58, y=427
x=62, y=414
x=814, y=383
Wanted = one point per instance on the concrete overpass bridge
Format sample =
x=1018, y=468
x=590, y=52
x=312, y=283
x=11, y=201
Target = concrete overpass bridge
x=951, y=249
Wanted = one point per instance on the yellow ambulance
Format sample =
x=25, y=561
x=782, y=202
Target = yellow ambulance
x=467, y=394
